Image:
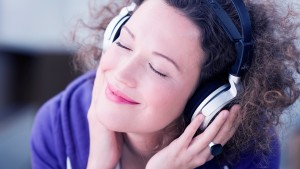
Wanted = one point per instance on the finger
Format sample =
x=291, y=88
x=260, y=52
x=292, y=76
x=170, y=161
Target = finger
x=227, y=130
x=201, y=141
x=222, y=136
x=190, y=131
x=202, y=158
x=230, y=126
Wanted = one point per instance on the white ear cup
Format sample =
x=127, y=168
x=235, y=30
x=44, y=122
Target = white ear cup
x=217, y=100
x=115, y=25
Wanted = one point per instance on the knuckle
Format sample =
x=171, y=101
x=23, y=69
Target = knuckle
x=201, y=161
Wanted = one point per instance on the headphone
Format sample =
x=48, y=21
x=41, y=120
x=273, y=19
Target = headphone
x=214, y=95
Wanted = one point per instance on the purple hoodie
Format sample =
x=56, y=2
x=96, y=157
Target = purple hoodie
x=60, y=135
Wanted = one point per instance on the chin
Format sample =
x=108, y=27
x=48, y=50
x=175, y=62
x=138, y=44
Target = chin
x=111, y=123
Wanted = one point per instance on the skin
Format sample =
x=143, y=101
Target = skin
x=293, y=152
x=132, y=66
x=127, y=69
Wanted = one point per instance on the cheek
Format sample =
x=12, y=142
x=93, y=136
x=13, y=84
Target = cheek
x=108, y=60
x=164, y=105
x=106, y=63
x=168, y=101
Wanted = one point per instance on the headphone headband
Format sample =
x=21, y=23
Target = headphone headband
x=243, y=40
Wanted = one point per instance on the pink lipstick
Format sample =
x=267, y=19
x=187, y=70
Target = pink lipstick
x=117, y=96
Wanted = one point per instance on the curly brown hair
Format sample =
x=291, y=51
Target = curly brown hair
x=269, y=85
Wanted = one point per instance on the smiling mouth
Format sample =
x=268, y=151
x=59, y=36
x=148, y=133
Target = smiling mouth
x=117, y=96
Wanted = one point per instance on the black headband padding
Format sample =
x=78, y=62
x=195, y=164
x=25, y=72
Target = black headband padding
x=243, y=40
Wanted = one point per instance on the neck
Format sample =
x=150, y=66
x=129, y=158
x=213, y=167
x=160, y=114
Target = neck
x=138, y=149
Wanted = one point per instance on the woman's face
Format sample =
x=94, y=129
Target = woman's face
x=146, y=77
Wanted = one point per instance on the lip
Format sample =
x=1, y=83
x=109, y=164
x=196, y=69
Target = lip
x=117, y=96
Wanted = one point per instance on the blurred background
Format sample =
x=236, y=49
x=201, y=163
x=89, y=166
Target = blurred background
x=35, y=64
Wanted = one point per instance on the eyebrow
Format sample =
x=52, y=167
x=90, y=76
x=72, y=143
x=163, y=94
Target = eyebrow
x=155, y=53
x=167, y=58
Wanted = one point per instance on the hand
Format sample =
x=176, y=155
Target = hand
x=187, y=152
x=105, y=145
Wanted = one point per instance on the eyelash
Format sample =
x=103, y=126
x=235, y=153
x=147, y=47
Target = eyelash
x=157, y=72
x=154, y=70
x=122, y=46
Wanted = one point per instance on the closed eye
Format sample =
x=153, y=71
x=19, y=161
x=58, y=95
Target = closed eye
x=152, y=68
x=122, y=46
x=157, y=72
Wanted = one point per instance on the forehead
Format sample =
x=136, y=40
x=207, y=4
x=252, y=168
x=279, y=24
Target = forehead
x=165, y=29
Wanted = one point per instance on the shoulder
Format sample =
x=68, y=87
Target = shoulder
x=61, y=123
x=65, y=107
x=259, y=160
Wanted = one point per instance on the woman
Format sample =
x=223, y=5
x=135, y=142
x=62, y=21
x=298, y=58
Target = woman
x=128, y=114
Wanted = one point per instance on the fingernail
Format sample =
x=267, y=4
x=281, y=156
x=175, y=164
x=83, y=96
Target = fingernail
x=199, y=117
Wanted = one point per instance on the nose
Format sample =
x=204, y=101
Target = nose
x=126, y=72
